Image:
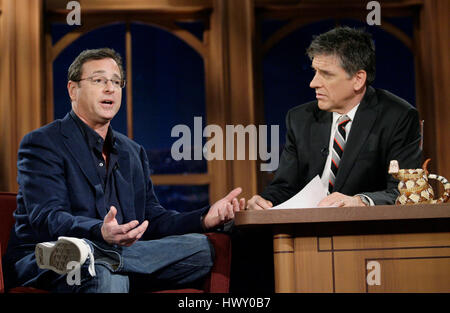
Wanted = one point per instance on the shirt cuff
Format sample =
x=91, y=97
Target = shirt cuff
x=214, y=229
x=367, y=198
x=96, y=233
x=202, y=217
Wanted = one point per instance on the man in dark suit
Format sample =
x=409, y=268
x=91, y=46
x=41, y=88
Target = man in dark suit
x=348, y=135
x=78, y=178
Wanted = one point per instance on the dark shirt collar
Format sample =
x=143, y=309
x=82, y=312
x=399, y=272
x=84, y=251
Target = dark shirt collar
x=93, y=139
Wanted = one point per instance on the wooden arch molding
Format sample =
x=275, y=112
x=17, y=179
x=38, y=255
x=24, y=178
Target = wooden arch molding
x=295, y=24
x=168, y=26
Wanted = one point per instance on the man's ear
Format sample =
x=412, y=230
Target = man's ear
x=72, y=89
x=360, y=79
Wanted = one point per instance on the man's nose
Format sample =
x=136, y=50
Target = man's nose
x=315, y=82
x=109, y=87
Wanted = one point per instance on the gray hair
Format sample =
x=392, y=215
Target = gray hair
x=354, y=48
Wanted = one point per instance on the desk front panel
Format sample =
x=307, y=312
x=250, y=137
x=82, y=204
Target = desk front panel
x=397, y=263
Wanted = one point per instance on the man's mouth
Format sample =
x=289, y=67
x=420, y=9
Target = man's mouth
x=108, y=102
x=320, y=96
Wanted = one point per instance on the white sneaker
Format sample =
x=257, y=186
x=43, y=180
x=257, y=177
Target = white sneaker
x=56, y=255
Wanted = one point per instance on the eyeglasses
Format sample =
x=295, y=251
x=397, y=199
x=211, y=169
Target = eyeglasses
x=103, y=81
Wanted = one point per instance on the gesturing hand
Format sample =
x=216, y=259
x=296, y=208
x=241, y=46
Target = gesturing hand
x=223, y=210
x=122, y=235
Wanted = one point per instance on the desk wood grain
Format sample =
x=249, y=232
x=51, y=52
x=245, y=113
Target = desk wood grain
x=344, y=214
x=329, y=249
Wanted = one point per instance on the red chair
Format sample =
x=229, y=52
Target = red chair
x=218, y=281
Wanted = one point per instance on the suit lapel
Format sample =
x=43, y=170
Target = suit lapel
x=76, y=144
x=361, y=127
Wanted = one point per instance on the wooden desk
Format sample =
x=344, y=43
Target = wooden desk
x=330, y=249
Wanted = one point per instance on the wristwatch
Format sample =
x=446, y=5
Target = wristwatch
x=364, y=200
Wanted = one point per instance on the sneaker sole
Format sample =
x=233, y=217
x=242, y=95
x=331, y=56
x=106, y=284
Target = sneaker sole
x=60, y=255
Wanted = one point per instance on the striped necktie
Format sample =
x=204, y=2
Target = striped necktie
x=340, y=138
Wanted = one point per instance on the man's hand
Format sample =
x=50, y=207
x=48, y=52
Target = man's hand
x=223, y=210
x=122, y=235
x=337, y=199
x=258, y=203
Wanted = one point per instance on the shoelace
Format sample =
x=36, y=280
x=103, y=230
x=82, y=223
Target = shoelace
x=91, y=267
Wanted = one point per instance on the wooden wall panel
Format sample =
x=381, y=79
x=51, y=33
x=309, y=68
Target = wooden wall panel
x=21, y=84
x=438, y=33
x=433, y=78
x=217, y=96
x=29, y=65
x=7, y=96
x=241, y=29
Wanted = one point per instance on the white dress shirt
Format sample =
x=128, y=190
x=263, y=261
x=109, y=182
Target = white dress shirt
x=327, y=169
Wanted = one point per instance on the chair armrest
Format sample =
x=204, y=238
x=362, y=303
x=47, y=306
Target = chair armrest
x=2, y=286
x=218, y=281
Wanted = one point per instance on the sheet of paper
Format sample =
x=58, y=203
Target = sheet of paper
x=308, y=197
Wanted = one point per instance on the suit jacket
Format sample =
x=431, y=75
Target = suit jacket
x=385, y=128
x=61, y=194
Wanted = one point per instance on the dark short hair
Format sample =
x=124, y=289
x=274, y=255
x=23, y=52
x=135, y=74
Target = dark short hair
x=354, y=48
x=75, y=70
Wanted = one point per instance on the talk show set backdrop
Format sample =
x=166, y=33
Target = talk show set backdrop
x=228, y=62
x=169, y=86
